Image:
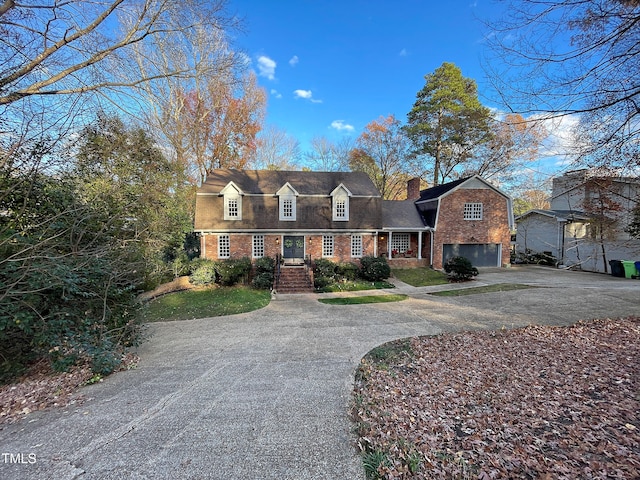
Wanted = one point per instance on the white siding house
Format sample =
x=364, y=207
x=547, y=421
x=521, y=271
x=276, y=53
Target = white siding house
x=585, y=226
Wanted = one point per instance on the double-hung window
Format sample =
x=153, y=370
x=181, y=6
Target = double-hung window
x=287, y=200
x=327, y=245
x=472, y=211
x=232, y=202
x=356, y=245
x=258, y=246
x=340, y=204
x=224, y=246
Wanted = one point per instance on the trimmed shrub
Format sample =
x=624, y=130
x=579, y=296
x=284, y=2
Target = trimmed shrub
x=262, y=281
x=263, y=278
x=374, y=269
x=203, y=271
x=321, y=282
x=348, y=271
x=459, y=269
x=232, y=271
x=325, y=268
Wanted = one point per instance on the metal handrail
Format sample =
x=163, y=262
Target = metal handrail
x=307, y=269
x=276, y=273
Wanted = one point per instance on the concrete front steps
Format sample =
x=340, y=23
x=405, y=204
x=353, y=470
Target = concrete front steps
x=294, y=279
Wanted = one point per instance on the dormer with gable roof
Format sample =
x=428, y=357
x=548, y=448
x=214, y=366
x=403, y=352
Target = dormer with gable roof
x=340, y=203
x=232, y=195
x=287, y=203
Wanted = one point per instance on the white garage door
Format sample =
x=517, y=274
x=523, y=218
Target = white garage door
x=480, y=254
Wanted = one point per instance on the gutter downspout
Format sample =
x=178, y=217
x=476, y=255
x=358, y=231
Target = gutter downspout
x=431, y=259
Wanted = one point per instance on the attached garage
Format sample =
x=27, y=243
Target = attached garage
x=480, y=254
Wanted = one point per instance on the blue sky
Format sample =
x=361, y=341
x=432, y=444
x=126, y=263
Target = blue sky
x=331, y=67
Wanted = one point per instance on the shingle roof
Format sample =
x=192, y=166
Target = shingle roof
x=305, y=183
x=566, y=214
x=399, y=214
x=439, y=190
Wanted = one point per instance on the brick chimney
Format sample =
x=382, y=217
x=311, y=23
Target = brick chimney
x=413, y=189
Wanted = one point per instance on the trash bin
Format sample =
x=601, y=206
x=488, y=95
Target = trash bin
x=629, y=268
x=617, y=269
x=638, y=270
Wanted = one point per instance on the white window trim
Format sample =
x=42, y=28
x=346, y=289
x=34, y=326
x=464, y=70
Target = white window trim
x=228, y=245
x=473, y=211
x=291, y=218
x=257, y=241
x=287, y=192
x=358, y=242
x=340, y=193
x=324, y=246
x=398, y=238
x=227, y=213
x=232, y=192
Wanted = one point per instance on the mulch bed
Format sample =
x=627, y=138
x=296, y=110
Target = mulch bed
x=532, y=403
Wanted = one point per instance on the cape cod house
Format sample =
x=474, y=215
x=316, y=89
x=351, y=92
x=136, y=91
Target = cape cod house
x=341, y=216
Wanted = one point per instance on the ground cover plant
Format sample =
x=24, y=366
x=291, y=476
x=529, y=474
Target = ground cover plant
x=420, y=277
x=536, y=402
x=363, y=299
x=205, y=302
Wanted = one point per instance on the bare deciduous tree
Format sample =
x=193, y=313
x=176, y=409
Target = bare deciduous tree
x=568, y=57
x=275, y=150
x=327, y=156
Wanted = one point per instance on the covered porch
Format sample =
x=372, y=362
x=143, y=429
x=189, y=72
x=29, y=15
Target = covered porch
x=406, y=248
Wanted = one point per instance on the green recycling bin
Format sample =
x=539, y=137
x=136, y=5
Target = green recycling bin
x=629, y=269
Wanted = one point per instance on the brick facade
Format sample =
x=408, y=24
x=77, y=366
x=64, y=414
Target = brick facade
x=438, y=213
x=241, y=245
x=454, y=229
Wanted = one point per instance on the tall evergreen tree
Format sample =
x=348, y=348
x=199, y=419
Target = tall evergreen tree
x=447, y=121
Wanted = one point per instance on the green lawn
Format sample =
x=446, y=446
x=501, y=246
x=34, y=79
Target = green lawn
x=420, y=277
x=499, y=287
x=363, y=299
x=355, y=286
x=211, y=302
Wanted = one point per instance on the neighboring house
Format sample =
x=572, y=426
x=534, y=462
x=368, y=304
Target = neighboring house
x=342, y=217
x=585, y=226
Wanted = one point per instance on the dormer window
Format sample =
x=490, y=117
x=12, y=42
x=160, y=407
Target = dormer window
x=340, y=203
x=232, y=202
x=287, y=203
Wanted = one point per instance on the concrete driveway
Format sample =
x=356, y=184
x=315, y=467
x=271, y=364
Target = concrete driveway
x=265, y=395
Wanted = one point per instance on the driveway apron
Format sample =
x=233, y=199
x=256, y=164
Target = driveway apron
x=263, y=395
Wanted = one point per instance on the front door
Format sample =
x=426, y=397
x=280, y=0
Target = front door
x=293, y=248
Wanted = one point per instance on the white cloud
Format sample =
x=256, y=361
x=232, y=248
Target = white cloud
x=266, y=67
x=306, y=94
x=341, y=126
x=275, y=93
x=294, y=61
x=303, y=94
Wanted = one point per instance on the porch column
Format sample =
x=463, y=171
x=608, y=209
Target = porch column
x=420, y=245
x=389, y=245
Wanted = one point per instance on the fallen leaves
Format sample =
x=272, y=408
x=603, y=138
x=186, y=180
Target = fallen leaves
x=42, y=388
x=537, y=402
